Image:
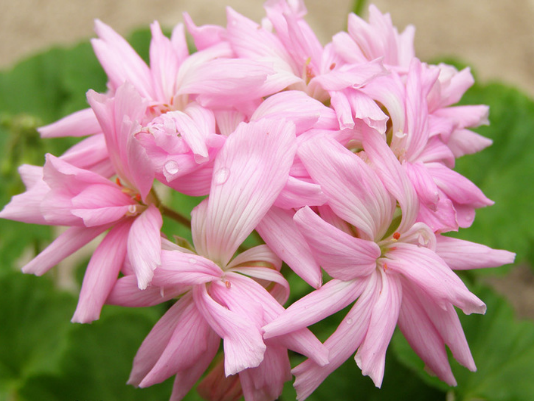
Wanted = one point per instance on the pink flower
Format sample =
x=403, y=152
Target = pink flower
x=378, y=255
x=222, y=297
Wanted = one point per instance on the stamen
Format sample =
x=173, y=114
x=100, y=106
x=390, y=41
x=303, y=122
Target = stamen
x=396, y=235
x=227, y=284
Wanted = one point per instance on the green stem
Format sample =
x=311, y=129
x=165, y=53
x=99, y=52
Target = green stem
x=175, y=216
x=358, y=6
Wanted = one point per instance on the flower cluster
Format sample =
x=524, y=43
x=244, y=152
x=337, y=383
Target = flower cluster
x=340, y=157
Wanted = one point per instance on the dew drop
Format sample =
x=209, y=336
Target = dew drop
x=171, y=167
x=192, y=261
x=349, y=321
x=221, y=176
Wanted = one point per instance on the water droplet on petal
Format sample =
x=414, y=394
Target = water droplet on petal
x=221, y=176
x=192, y=261
x=171, y=167
x=349, y=321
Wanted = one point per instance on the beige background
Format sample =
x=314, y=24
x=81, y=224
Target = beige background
x=493, y=36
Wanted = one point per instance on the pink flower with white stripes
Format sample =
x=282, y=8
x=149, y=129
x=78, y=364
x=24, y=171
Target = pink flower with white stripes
x=222, y=298
x=381, y=258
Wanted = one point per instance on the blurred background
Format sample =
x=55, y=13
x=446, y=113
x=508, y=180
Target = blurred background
x=493, y=36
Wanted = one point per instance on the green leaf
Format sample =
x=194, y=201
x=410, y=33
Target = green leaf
x=504, y=171
x=35, y=319
x=347, y=383
x=503, y=349
x=98, y=359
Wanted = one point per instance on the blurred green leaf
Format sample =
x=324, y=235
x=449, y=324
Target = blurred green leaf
x=503, y=349
x=347, y=383
x=35, y=319
x=98, y=359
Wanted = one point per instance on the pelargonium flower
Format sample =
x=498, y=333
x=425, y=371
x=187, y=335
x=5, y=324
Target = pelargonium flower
x=380, y=257
x=221, y=297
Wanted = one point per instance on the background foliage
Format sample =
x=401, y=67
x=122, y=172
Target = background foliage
x=45, y=357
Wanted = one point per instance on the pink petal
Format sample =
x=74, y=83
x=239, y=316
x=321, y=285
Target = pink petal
x=393, y=176
x=354, y=191
x=102, y=273
x=90, y=154
x=101, y=204
x=249, y=40
x=187, y=344
x=157, y=340
x=243, y=344
x=204, y=36
x=256, y=159
x=144, y=245
x=79, y=123
x=342, y=343
x=464, y=142
x=64, y=245
x=186, y=378
x=428, y=271
x=349, y=76
x=298, y=193
x=164, y=64
x=344, y=257
x=261, y=254
x=126, y=292
x=423, y=337
x=266, y=382
x=179, y=268
x=457, y=187
x=301, y=341
x=304, y=111
x=26, y=207
x=450, y=329
x=426, y=189
x=120, y=61
x=319, y=304
x=465, y=255
x=119, y=117
x=281, y=234
x=371, y=355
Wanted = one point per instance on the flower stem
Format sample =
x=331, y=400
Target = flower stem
x=175, y=216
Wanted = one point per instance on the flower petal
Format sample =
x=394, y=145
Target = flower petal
x=179, y=268
x=79, y=123
x=354, y=191
x=249, y=173
x=144, y=245
x=102, y=273
x=126, y=292
x=344, y=257
x=465, y=255
x=281, y=234
x=371, y=355
x=243, y=344
x=64, y=245
x=185, y=347
x=319, y=304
